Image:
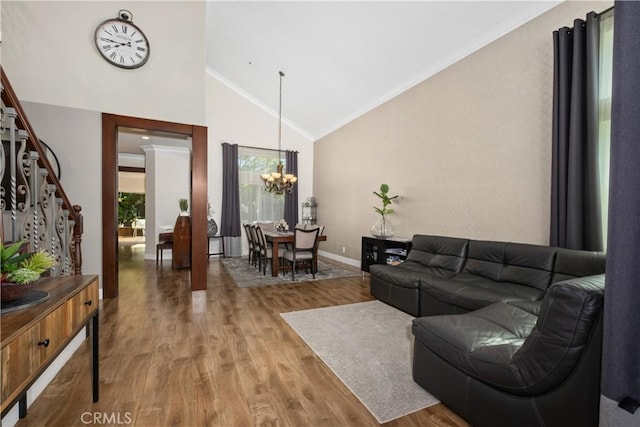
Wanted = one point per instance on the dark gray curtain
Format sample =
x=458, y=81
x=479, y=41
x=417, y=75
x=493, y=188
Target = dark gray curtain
x=621, y=352
x=575, y=200
x=291, y=199
x=230, y=218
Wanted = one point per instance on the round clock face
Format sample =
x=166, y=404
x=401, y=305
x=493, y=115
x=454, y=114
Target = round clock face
x=122, y=43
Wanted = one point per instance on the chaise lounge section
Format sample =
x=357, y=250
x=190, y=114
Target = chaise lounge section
x=518, y=363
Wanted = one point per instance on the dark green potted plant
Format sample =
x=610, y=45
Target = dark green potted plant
x=19, y=270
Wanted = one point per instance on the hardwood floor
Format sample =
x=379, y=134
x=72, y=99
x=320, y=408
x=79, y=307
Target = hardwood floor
x=221, y=357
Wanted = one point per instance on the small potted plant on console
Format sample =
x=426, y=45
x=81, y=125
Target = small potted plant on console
x=20, y=271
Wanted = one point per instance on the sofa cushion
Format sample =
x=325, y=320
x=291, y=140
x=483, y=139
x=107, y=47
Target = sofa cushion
x=568, y=313
x=572, y=263
x=472, y=292
x=437, y=252
x=406, y=275
x=510, y=348
x=430, y=256
x=474, y=341
x=519, y=263
x=532, y=307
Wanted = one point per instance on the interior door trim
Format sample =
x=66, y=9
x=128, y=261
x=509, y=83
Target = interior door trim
x=198, y=134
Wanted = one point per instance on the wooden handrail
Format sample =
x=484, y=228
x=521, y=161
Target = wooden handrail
x=11, y=100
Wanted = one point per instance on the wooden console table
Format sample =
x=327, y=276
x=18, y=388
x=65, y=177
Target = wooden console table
x=33, y=337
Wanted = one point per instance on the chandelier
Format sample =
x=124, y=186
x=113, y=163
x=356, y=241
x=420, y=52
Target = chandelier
x=279, y=182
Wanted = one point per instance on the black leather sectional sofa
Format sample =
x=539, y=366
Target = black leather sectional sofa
x=506, y=333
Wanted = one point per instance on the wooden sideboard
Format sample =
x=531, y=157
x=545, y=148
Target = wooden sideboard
x=33, y=337
x=181, y=250
x=382, y=251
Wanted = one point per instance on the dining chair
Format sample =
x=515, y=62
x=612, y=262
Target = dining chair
x=305, y=245
x=256, y=243
x=165, y=241
x=310, y=227
x=249, y=240
x=265, y=253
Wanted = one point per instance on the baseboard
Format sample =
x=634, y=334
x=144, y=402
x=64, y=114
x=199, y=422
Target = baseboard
x=344, y=260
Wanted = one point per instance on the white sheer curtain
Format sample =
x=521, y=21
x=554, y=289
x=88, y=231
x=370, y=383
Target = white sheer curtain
x=255, y=203
x=604, y=114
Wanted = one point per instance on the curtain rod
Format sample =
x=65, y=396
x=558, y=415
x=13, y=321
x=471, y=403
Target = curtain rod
x=258, y=148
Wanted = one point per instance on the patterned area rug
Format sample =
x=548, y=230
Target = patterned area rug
x=369, y=346
x=246, y=275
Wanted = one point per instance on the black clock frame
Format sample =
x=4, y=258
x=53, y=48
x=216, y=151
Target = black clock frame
x=128, y=22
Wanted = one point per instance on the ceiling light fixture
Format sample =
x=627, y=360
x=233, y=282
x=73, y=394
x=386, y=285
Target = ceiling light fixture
x=279, y=182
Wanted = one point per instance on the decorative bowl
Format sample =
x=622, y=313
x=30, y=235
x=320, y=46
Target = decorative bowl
x=13, y=291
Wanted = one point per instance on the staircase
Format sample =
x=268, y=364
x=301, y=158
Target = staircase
x=35, y=207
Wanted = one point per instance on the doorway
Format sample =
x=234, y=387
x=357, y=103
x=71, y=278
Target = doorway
x=198, y=134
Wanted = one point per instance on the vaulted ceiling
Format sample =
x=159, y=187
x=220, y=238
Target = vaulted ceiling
x=341, y=59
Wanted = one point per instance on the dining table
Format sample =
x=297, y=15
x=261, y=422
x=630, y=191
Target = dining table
x=277, y=237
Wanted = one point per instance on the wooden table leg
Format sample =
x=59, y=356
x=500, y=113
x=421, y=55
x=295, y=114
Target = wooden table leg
x=22, y=406
x=275, y=264
x=95, y=357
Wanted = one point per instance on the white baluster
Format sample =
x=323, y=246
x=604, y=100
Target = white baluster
x=65, y=246
x=43, y=202
x=52, y=226
x=71, y=262
x=35, y=203
x=23, y=187
x=11, y=114
x=59, y=227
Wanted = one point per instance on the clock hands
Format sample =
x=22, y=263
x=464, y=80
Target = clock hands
x=117, y=44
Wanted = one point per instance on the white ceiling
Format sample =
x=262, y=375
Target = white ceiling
x=131, y=141
x=341, y=59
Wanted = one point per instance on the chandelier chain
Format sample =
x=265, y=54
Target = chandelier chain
x=279, y=182
x=280, y=118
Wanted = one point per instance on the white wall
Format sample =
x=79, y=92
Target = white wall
x=50, y=57
x=131, y=182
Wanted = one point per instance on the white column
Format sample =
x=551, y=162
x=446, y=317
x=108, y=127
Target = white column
x=168, y=179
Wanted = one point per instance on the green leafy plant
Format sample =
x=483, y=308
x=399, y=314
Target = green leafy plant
x=386, y=201
x=383, y=229
x=183, y=204
x=23, y=268
x=130, y=207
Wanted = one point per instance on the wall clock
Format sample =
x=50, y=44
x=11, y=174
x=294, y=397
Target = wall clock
x=121, y=42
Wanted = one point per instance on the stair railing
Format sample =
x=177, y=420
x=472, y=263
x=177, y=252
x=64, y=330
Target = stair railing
x=34, y=205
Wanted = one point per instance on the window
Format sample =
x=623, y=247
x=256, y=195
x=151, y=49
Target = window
x=255, y=203
x=604, y=114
